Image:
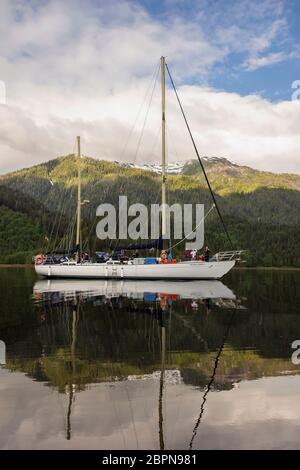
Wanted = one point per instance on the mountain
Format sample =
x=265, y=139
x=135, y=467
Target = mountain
x=226, y=177
x=261, y=209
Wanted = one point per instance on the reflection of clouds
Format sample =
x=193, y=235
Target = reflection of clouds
x=261, y=414
x=171, y=377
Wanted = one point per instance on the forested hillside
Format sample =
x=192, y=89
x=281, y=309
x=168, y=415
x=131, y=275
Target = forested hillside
x=262, y=210
x=22, y=223
x=228, y=177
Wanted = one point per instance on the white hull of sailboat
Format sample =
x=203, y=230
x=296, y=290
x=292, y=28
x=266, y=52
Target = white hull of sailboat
x=180, y=271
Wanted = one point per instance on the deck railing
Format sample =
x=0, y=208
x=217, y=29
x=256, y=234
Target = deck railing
x=228, y=255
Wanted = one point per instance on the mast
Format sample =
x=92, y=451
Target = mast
x=78, y=199
x=163, y=151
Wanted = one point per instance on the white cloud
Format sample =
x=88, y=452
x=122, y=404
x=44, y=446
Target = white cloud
x=253, y=63
x=70, y=72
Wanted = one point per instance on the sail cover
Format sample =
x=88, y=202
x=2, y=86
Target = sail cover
x=63, y=251
x=158, y=244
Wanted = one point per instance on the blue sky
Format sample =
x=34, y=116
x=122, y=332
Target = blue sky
x=272, y=80
x=69, y=70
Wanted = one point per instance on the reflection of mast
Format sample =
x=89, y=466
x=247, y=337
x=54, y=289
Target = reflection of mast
x=71, y=397
x=75, y=316
x=161, y=382
x=208, y=306
x=212, y=379
x=74, y=337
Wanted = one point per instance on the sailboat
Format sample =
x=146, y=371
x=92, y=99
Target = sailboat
x=214, y=268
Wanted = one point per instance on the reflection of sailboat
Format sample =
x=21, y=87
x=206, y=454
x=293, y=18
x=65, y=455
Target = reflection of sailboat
x=75, y=295
x=69, y=289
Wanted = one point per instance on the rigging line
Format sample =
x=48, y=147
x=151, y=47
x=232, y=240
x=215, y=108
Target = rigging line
x=212, y=379
x=86, y=245
x=87, y=240
x=193, y=331
x=62, y=215
x=170, y=137
x=64, y=212
x=71, y=231
x=103, y=195
x=116, y=225
x=156, y=140
x=153, y=149
x=57, y=233
x=117, y=240
x=131, y=414
x=199, y=159
x=61, y=240
x=120, y=427
x=202, y=220
x=139, y=111
x=147, y=332
x=56, y=217
x=146, y=117
x=58, y=212
x=52, y=224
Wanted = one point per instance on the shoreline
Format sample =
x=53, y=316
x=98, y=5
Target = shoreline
x=16, y=265
x=267, y=268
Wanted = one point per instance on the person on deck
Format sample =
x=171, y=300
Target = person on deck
x=206, y=254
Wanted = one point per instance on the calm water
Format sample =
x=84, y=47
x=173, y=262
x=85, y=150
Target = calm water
x=125, y=365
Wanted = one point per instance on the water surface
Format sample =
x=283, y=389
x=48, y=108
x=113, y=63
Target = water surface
x=150, y=365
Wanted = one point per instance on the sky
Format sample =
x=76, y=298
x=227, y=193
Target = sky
x=91, y=68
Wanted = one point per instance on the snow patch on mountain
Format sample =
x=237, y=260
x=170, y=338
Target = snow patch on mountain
x=173, y=168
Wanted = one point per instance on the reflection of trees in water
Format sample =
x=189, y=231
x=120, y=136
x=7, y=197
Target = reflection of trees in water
x=268, y=291
x=118, y=337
